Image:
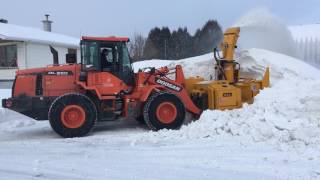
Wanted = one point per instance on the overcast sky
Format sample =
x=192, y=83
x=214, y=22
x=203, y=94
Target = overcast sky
x=124, y=17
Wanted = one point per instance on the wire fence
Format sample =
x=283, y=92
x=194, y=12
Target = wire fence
x=309, y=50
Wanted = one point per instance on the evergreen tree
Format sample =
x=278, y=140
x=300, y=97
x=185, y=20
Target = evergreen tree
x=151, y=49
x=207, y=38
x=162, y=44
x=165, y=36
x=181, y=44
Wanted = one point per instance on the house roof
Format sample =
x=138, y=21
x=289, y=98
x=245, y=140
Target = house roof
x=20, y=33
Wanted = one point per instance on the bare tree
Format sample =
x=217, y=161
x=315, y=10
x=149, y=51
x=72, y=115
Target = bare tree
x=136, y=47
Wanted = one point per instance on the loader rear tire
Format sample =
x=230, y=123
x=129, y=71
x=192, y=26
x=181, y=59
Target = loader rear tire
x=72, y=115
x=164, y=111
x=140, y=119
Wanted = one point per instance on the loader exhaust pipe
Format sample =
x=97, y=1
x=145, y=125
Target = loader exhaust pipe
x=55, y=56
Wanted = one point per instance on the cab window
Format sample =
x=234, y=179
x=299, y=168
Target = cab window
x=125, y=57
x=89, y=54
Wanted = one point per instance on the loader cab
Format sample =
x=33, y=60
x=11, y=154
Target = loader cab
x=108, y=54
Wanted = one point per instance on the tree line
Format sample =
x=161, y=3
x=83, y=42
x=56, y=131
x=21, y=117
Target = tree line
x=162, y=43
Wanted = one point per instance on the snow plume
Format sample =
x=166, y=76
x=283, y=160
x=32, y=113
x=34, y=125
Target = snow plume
x=261, y=29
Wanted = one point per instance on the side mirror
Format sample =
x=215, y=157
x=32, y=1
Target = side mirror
x=71, y=58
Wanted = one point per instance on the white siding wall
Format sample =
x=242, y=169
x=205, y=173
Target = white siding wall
x=21, y=54
x=31, y=55
x=39, y=55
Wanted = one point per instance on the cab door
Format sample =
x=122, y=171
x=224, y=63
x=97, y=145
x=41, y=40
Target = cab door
x=126, y=72
x=117, y=62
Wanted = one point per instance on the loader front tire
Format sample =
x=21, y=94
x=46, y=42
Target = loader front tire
x=164, y=111
x=72, y=115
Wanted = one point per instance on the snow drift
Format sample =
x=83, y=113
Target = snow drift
x=288, y=113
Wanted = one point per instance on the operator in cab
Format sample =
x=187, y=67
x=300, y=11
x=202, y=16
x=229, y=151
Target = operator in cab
x=106, y=59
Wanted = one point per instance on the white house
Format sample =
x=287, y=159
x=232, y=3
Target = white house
x=25, y=47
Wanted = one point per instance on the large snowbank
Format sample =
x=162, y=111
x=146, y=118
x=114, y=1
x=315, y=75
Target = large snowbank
x=154, y=63
x=196, y=66
x=288, y=113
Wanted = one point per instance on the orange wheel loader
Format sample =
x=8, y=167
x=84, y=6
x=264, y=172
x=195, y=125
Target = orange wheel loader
x=103, y=87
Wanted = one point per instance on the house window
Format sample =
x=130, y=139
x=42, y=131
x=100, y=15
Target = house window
x=8, y=56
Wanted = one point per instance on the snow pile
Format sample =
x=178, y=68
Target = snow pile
x=288, y=113
x=261, y=29
x=154, y=63
x=9, y=120
x=4, y=93
x=195, y=66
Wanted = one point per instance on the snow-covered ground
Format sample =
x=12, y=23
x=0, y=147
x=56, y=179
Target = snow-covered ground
x=277, y=137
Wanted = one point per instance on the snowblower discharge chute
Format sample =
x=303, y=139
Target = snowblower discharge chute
x=103, y=87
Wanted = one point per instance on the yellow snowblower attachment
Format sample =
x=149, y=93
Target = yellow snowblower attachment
x=229, y=90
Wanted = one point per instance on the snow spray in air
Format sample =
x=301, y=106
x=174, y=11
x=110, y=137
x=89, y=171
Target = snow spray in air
x=261, y=29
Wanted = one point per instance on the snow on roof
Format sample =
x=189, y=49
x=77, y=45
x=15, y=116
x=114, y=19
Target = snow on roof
x=110, y=38
x=20, y=33
x=300, y=32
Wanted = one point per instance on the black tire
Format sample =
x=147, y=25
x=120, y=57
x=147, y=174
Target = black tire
x=150, y=111
x=140, y=119
x=67, y=100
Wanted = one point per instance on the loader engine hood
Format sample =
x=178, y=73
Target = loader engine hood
x=46, y=81
x=53, y=70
